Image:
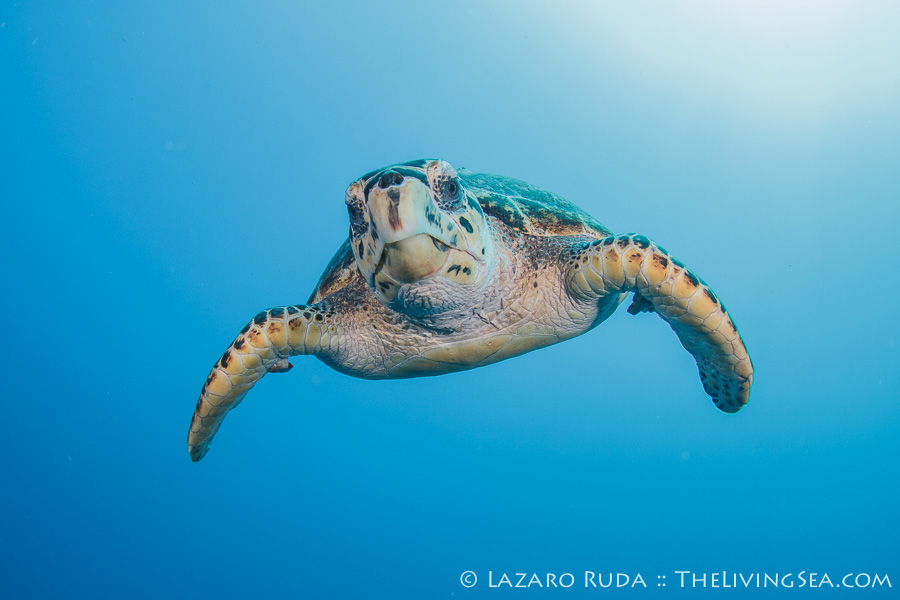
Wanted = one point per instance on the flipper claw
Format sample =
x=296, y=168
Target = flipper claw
x=640, y=304
x=282, y=366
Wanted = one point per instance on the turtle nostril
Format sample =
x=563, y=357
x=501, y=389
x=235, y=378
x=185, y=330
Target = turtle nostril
x=390, y=178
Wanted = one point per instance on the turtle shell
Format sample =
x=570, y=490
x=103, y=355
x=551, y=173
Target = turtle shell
x=520, y=206
x=529, y=209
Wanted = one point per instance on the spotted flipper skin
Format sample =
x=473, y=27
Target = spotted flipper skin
x=264, y=345
x=601, y=269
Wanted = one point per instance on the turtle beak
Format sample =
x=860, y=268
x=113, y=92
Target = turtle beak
x=405, y=222
x=413, y=258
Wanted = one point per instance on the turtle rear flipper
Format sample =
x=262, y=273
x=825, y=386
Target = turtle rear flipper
x=662, y=284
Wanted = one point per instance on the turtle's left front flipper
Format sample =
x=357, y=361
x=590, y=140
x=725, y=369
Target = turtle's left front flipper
x=632, y=263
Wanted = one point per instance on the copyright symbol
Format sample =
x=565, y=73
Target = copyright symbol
x=468, y=579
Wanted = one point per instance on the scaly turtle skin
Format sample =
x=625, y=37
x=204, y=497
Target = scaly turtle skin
x=445, y=271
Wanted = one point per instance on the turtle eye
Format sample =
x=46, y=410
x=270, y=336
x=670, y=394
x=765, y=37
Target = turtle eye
x=358, y=224
x=451, y=190
x=450, y=199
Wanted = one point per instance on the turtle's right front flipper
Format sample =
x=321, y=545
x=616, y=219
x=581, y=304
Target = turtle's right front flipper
x=661, y=284
x=262, y=346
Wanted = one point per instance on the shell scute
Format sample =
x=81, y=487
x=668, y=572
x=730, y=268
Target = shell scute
x=529, y=209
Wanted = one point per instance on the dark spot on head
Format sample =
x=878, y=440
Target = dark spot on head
x=260, y=318
x=292, y=310
x=246, y=328
x=534, y=284
x=361, y=249
x=319, y=317
x=623, y=241
x=467, y=270
x=710, y=295
x=454, y=268
x=238, y=344
x=482, y=251
x=394, y=215
x=432, y=216
x=677, y=262
x=307, y=315
x=641, y=241
x=276, y=312
x=464, y=222
x=225, y=359
x=608, y=240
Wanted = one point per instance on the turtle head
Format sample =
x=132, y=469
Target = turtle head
x=420, y=239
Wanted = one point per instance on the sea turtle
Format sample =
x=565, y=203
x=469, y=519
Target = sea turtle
x=448, y=270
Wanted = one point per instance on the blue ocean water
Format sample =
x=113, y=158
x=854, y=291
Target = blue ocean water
x=169, y=169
